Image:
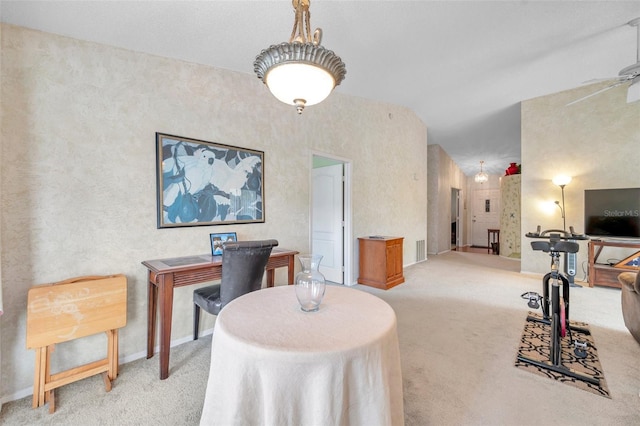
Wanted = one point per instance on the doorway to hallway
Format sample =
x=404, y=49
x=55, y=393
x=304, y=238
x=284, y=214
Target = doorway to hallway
x=456, y=223
x=330, y=216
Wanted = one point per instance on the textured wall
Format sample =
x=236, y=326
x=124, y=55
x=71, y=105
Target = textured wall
x=78, y=173
x=510, y=198
x=595, y=141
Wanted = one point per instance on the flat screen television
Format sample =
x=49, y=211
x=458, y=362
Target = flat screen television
x=612, y=212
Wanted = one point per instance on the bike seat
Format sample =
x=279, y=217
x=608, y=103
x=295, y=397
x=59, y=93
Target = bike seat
x=557, y=246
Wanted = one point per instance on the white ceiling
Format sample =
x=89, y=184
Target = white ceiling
x=461, y=66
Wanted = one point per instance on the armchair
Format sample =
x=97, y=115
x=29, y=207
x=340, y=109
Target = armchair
x=630, y=282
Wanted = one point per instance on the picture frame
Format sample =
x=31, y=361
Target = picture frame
x=207, y=183
x=218, y=239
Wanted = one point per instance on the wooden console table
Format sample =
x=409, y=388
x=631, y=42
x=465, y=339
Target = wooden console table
x=166, y=274
x=603, y=274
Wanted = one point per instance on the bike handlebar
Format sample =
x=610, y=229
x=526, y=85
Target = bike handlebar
x=557, y=233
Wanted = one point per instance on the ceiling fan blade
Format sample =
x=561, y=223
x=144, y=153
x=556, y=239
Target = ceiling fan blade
x=600, y=80
x=597, y=92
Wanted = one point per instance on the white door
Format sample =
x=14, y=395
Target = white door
x=327, y=221
x=486, y=210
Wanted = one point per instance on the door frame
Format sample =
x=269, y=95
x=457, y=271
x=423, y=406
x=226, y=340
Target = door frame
x=347, y=243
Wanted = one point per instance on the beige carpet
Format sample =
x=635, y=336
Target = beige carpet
x=460, y=319
x=535, y=346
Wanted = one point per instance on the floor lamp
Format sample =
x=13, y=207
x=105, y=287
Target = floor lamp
x=570, y=259
x=562, y=181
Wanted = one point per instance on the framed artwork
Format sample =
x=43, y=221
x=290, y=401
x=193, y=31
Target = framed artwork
x=632, y=262
x=206, y=183
x=218, y=239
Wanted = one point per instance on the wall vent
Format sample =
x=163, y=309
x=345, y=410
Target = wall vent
x=420, y=251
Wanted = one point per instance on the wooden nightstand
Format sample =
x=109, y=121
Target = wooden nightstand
x=381, y=261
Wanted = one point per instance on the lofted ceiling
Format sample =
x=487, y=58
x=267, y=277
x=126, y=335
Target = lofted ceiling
x=462, y=66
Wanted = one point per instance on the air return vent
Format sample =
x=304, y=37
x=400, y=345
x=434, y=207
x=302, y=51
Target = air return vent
x=420, y=251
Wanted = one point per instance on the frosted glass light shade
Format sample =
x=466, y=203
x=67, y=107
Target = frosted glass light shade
x=299, y=74
x=290, y=82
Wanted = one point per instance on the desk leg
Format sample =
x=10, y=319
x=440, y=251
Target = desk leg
x=151, y=317
x=165, y=289
x=271, y=273
x=291, y=269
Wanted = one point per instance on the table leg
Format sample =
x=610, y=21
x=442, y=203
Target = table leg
x=38, y=381
x=152, y=304
x=112, y=354
x=45, y=396
x=488, y=241
x=165, y=288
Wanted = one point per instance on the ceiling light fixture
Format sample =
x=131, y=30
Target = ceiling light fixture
x=300, y=72
x=481, y=177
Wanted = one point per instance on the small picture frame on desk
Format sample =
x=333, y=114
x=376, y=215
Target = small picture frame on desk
x=220, y=238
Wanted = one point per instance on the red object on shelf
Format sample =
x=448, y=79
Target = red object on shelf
x=513, y=169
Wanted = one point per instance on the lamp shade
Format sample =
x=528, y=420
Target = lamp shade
x=561, y=180
x=299, y=74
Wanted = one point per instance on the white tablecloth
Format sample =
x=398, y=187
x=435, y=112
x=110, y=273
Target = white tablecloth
x=273, y=364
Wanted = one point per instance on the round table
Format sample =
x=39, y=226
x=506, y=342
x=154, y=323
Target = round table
x=273, y=364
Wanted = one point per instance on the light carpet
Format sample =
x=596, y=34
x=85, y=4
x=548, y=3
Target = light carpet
x=460, y=321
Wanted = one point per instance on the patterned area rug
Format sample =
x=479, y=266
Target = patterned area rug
x=534, y=344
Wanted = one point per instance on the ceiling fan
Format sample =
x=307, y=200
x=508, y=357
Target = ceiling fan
x=629, y=75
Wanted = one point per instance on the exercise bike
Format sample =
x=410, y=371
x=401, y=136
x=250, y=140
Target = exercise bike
x=559, y=241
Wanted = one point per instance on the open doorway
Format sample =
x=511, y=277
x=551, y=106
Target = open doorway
x=331, y=216
x=456, y=223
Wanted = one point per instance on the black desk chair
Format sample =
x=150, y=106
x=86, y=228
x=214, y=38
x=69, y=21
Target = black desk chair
x=243, y=266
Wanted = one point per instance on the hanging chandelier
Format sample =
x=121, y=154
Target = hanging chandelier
x=300, y=72
x=481, y=177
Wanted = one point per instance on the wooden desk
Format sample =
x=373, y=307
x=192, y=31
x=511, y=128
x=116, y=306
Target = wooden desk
x=166, y=274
